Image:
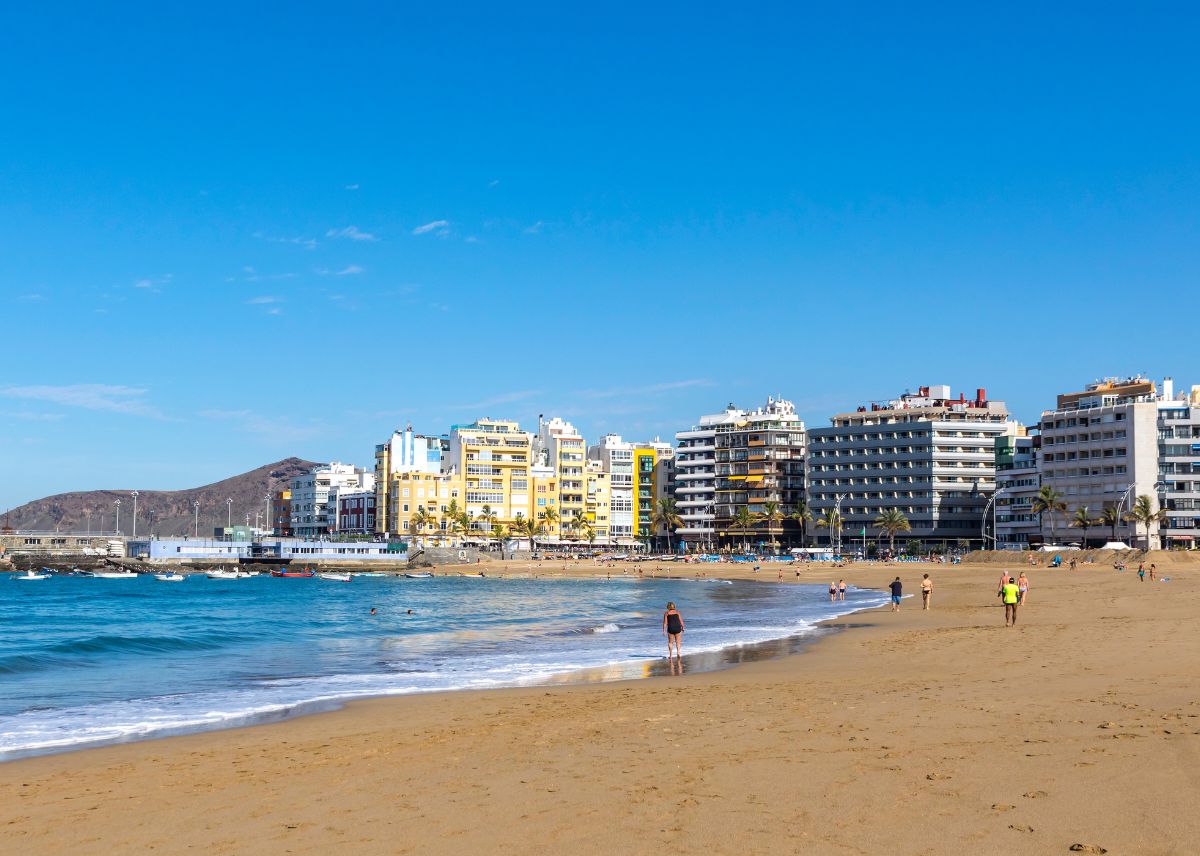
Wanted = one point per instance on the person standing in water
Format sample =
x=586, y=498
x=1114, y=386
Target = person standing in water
x=672, y=628
x=897, y=588
x=926, y=592
x=832, y=591
x=841, y=589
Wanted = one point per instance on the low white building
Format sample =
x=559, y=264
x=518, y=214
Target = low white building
x=312, y=514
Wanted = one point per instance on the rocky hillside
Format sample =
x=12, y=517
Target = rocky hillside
x=165, y=512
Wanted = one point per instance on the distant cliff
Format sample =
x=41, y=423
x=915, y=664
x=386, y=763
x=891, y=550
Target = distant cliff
x=165, y=512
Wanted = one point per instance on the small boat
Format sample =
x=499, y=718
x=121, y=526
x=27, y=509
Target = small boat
x=422, y=576
x=219, y=574
x=335, y=578
x=80, y=572
x=115, y=575
x=293, y=573
x=369, y=574
x=169, y=578
x=30, y=575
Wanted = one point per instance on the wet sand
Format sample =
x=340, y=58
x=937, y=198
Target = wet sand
x=918, y=732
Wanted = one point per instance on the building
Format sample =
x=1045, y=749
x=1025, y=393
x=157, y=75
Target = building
x=759, y=458
x=653, y=477
x=1018, y=481
x=599, y=503
x=311, y=514
x=493, y=457
x=1118, y=439
x=416, y=495
x=931, y=456
x=355, y=512
x=267, y=550
x=614, y=457
x=281, y=513
x=695, y=477
x=404, y=452
x=565, y=453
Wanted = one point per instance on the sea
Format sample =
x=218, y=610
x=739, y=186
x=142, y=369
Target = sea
x=86, y=662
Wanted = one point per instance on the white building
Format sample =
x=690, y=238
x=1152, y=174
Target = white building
x=312, y=515
x=1123, y=438
x=565, y=453
x=695, y=478
x=616, y=458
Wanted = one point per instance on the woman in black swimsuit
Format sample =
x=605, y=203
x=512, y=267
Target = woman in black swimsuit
x=672, y=628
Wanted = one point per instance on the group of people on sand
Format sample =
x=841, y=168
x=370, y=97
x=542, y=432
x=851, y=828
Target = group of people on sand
x=1014, y=591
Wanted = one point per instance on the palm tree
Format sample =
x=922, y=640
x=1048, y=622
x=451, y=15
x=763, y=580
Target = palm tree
x=549, y=518
x=1084, y=521
x=499, y=532
x=774, y=515
x=487, y=518
x=666, y=514
x=1048, y=500
x=803, y=515
x=744, y=520
x=419, y=521
x=891, y=521
x=833, y=520
x=1110, y=517
x=528, y=527
x=1145, y=513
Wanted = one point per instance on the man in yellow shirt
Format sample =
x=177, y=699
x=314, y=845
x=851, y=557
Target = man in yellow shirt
x=1012, y=595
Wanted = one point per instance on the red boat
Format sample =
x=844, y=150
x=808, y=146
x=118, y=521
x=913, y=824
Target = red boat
x=293, y=573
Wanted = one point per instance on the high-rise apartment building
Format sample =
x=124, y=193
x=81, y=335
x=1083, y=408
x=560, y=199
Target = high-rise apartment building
x=1018, y=481
x=927, y=454
x=404, y=452
x=653, y=466
x=695, y=480
x=311, y=514
x=564, y=451
x=615, y=457
x=1118, y=439
x=759, y=457
x=494, y=457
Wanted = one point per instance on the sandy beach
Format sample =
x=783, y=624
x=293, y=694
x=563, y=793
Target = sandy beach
x=917, y=732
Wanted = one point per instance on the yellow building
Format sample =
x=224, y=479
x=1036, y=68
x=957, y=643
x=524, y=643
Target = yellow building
x=599, y=499
x=432, y=493
x=652, y=473
x=565, y=454
x=492, y=457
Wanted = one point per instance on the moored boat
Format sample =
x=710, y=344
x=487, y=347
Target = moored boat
x=115, y=575
x=169, y=578
x=220, y=574
x=293, y=573
x=30, y=575
x=335, y=578
x=419, y=576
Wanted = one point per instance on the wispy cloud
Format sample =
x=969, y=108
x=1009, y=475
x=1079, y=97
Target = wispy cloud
x=471, y=239
x=299, y=241
x=351, y=187
x=496, y=400
x=494, y=182
x=266, y=298
x=271, y=427
x=352, y=233
x=534, y=229
x=349, y=270
x=34, y=416
x=90, y=396
x=253, y=275
x=31, y=298
x=652, y=389
x=151, y=284
x=439, y=227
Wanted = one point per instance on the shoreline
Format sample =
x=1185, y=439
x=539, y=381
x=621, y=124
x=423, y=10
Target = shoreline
x=937, y=732
x=632, y=669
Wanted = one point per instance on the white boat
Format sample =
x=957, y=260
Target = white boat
x=227, y=575
x=115, y=575
x=30, y=575
x=335, y=578
x=369, y=574
x=421, y=576
x=169, y=578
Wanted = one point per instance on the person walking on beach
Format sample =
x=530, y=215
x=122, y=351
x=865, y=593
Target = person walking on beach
x=841, y=589
x=1152, y=569
x=832, y=591
x=897, y=588
x=1011, y=597
x=1141, y=573
x=1001, y=584
x=1022, y=588
x=926, y=592
x=672, y=628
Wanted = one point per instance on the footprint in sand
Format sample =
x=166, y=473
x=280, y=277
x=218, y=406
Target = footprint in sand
x=1020, y=827
x=1033, y=795
x=1002, y=807
x=1088, y=848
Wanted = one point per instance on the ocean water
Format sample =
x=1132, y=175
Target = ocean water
x=92, y=661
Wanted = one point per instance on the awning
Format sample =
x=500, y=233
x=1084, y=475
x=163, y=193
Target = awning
x=736, y=478
x=754, y=478
x=1180, y=538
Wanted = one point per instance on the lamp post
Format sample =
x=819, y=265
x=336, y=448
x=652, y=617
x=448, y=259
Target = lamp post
x=229, y=514
x=991, y=505
x=118, y=505
x=837, y=512
x=196, y=523
x=88, y=515
x=134, y=494
x=267, y=513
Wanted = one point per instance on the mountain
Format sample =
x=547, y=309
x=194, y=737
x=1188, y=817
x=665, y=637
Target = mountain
x=163, y=512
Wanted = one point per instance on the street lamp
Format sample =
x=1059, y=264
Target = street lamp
x=837, y=512
x=135, y=496
x=267, y=514
x=118, y=505
x=196, y=524
x=229, y=514
x=88, y=514
x=991, y=505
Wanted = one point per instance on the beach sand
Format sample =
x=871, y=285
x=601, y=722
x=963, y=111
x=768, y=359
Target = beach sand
x=920, y=732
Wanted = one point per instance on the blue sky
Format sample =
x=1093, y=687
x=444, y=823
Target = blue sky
x=229, y=235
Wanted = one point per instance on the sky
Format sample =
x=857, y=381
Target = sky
x=233, y=233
